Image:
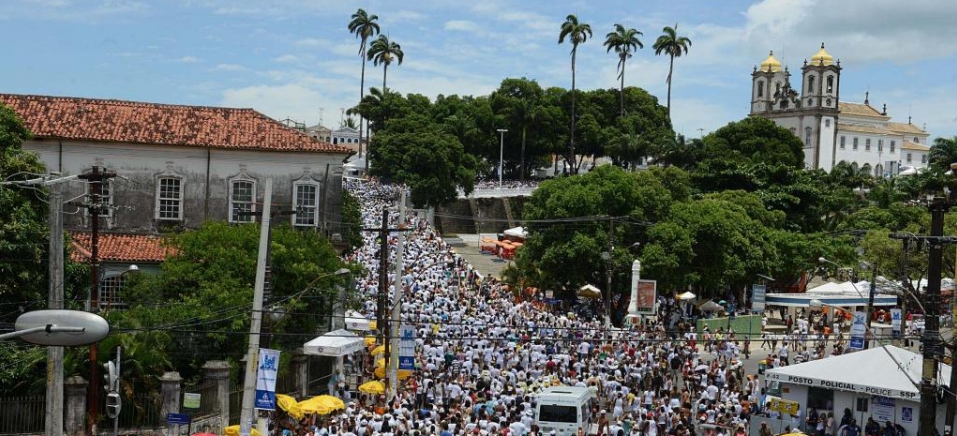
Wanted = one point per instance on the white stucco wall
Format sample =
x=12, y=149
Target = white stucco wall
x=205, y=174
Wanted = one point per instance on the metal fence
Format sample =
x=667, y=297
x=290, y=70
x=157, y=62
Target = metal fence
x=235, y=406
x=209, y=399
x=20, y=415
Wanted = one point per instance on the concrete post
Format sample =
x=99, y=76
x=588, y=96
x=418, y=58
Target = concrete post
x=75, y=405
x=218, y=371
x=170, y=386
x=300, y=372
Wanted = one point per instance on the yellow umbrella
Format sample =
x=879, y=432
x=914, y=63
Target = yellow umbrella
x=369, y=341
x=322, y=404
x=378, y=350
x=374, y=387
x=380, y=362
x=380, y=373
x=289, y=404
x=373, y=324
x=233, y=430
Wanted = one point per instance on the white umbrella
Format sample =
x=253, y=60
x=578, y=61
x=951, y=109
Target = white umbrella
x=701, y=368
x=687, y=295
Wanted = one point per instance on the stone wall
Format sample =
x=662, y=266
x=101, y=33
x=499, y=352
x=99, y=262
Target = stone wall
x=480, y=215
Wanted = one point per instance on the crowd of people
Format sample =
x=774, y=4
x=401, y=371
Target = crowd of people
x=483, y=354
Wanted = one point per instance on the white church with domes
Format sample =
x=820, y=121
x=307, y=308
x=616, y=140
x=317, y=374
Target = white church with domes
x=833, y=130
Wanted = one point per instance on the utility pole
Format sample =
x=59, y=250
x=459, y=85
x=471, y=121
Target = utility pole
x=54, y=397
x=609, y=262
x=870, y=304
x=952, y=398
x=392, y=355
x=931, y=337
x=252, y=354
x=95, y=180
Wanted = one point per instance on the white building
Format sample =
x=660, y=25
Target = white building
x=833, y=130
x=881, y=382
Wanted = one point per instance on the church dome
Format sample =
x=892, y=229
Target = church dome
x=771, y=64
x=822, y=57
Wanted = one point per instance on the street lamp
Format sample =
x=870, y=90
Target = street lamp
x=501, y=155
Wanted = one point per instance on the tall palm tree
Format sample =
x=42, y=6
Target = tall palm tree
x=674, y=46
x=624, y=42
x=363, y=26
x=577, y=33
x=943, y=153
x=382, y=51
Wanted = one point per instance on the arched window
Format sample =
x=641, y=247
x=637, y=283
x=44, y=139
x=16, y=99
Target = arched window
x=810, y=84
x=830, y=84
x=760, y=89
x=807, y=136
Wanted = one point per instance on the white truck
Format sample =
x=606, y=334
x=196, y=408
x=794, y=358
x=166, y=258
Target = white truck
x=567, y=411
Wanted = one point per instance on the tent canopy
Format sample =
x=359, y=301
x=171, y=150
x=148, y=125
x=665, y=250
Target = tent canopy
x=589, y=291
x=687, y=295
x=356, y=321
x=517, y=232
x=335, y=344
x=874, y=372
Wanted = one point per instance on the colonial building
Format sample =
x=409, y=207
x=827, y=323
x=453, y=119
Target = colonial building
x=177, y=166
x=833, y=130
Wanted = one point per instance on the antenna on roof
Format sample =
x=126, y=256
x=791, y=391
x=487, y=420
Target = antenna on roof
x=867, y=95
x=320, y=116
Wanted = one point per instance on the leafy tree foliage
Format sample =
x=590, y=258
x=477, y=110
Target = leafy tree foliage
x=199, y=305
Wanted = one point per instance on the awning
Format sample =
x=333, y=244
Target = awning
x=355, y=321
x=335, y=344
x=589, y=291
x=517, y=232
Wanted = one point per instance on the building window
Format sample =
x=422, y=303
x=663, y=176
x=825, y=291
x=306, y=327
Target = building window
x=109, y=291
x=827, y=123
x=810, y=84
x=843, y=143
x=880, y=145
x=242, y=195
x=910, y=158
x=916, y=141
x=306, y=196
x=807, y=136
x=893, y=146
x=923, y=158
x=867, y=144
x=169, y=198
x=830, y=84
x=101, y=198
x=760, y=89
x=855, y=144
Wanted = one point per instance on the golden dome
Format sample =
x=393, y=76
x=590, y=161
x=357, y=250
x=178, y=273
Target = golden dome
x=771, y=64
x=822, y=57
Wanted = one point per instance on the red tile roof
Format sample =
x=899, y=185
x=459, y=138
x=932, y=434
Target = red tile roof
x=87, y=119
x=114, y=247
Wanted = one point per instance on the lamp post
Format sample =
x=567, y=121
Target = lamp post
x=501, y=154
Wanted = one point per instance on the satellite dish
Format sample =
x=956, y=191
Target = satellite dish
x=94, y=327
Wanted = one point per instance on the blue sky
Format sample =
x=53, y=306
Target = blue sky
x=295, y=58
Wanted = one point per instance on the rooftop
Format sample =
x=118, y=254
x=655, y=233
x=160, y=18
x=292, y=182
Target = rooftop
x=858, y=109
x=114, y=247
x=87, y=119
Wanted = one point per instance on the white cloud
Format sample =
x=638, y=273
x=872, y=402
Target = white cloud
x=406, y=15
x=313, y=42
x=229, y=67
x=461, y=25
x=294, y=101
x=286, y=58
x=188, y=60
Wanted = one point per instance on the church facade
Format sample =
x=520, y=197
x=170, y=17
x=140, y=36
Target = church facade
x=833, y=130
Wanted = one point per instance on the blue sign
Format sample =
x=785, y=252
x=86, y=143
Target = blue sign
x=177, y=418
x=758, y=295
x=406, y=362
x=857, y=343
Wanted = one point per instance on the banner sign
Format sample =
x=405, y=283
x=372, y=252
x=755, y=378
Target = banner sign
x=266, y=379
x=858, y=330
x=758, y=295
x=191, y=401
x=784, y=406
x=896, y=323
x=882, y=408
x=645, y=296
x=407, y=347
x=841, y=386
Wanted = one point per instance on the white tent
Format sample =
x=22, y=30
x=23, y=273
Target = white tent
x=335, y=344
x=875, y=371
x=517, y=232
x=589, y=291
x=355, y=321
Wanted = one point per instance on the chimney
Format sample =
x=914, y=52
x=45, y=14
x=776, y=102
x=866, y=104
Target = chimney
x=884, y=113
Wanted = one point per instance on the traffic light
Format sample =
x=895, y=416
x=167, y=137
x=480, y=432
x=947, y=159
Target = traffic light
x=111, y=379
x=113, y=404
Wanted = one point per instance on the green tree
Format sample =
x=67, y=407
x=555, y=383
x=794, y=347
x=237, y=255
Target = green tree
x=363, y=26
x=577, y=33
x=518, y=101
x=756, y=139
x=422, y=155
x=624, y=42
x=943, y=153
x=382, y=51
x=201, y=297
x=674, y=46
